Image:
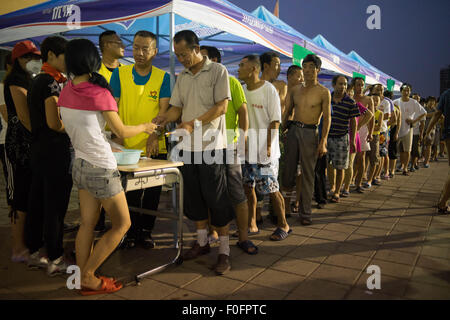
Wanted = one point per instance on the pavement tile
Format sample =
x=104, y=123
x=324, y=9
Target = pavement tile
x=347, y=261
x=282, y=247
x=340, y=275
x=178, y=276
x=332, y=235
x=300, y=267
x=315, y=289
x=147, y=290
x=310, y=254
x=277, y=280
x=433, y=277
x=357, y=249
x=340, y=227
x=423, y=291
x=438, y=252
x=183, y=294
x=393, y=269
x=213, y=286
x=261, y=259
x=8, y=294
x=433, y=263
x=396, y=256
x=254, y=292
x=243, y=271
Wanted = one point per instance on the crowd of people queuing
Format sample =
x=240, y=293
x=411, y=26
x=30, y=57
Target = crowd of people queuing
x=60, y=99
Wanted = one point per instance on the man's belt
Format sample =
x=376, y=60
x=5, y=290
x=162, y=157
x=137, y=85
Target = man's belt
x=303, y=125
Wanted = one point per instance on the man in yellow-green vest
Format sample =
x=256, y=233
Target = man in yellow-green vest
x=142, y=92
x=112, y=49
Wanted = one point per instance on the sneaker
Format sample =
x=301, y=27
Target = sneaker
x=223, y=264
x=37, y=261
x=367, y=185
x=196, y=251
x=56, y=267
x=416, y=167
x=426, y=166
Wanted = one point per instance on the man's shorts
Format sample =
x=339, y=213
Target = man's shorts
x=363, y=133
x=383, y=145
x=235, y=187
x=205, y=190
x=101, y=183
x=393, y=144
x=374, y=153
x=338, y=151
x=405, y=142
x=415, y=147
x=261, y=177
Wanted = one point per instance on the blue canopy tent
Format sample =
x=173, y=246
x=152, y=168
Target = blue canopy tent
x=322, y=46
x=217, y=22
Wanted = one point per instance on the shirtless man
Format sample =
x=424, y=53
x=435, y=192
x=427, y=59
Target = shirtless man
x=365, y=133
x=310, y=102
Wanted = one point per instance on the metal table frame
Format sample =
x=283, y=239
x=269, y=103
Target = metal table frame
x=152, y=178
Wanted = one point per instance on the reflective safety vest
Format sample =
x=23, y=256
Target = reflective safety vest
x=139, y=104
x=104, y=71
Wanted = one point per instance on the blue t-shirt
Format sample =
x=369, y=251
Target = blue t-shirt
x=139, y=80
x=444, y=107
x=343, y=111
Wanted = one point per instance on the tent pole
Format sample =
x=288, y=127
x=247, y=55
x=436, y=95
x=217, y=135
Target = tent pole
x=172, y=55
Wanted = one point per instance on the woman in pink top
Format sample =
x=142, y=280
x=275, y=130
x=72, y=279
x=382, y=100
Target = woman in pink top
x=86, y=105
x=365, y=117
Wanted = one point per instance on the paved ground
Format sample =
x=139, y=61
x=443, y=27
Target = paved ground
x=394, y=227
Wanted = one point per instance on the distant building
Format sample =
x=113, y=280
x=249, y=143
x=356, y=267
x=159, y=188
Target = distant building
x=445, y=79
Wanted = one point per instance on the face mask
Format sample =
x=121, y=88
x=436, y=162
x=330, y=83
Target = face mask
x=34, y=66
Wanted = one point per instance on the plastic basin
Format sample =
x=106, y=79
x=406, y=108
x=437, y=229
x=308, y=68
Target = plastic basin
x=127, y=156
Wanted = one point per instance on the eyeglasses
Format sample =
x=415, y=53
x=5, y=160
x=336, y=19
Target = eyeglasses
x=144, y=50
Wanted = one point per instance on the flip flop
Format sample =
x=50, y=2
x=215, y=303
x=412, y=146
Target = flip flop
x=334, y=199
x=280, y=233
x=108, y=286
x=246, y=245
x=443, y=210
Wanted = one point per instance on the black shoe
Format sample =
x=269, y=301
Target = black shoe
x=146, y=241
x=320, y=205
x=127, y=243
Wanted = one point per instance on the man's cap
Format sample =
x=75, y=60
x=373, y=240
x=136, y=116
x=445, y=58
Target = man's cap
x=22, y=48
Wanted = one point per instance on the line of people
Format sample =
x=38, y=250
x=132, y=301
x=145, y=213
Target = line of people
x=259, y=131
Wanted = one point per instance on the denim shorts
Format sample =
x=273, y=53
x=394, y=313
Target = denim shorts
x=101, y=183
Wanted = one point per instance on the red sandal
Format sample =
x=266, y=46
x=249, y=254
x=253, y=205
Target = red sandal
x=108, y=286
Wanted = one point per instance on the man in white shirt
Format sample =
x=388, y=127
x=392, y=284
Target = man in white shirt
x=261, y=167
x=418, y=131
x=411, y=114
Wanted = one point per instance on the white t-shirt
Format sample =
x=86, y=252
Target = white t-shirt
x=416, y=128
x=86, y=132
x=263, y=105
x=410, y=109
x=385, y=107
x=4, y=124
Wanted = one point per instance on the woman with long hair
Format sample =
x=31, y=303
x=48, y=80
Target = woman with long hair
x=86, y=105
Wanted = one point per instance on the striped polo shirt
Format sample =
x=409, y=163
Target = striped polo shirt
x=343, y=111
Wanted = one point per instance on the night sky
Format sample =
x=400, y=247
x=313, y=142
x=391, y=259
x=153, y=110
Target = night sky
x=412, y=45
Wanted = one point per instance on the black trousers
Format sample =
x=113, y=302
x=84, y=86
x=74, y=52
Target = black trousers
x=51, y=185
x=147, y=199
x=320, y=182
x=5, y=173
